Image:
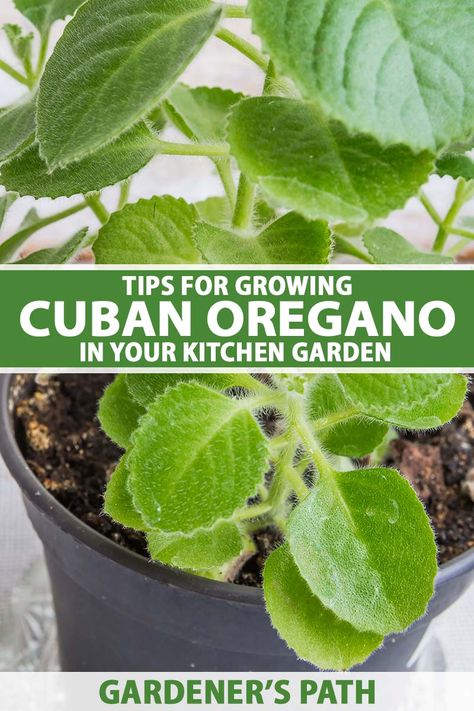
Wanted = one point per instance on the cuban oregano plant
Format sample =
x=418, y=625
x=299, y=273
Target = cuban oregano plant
x=210, y=460
x=362, y=102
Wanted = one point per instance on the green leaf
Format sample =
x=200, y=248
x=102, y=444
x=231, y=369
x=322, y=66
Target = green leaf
x=364, y=545
x=17, y=126
x=113, y=64
x=203, y=550
x=59, y=255
x=414, y=402
x=456, y=166
x=30, y=219
x=156, y=231
x=289, y=240
x=146, y=388
x=197, y=457
x=398, y=70
x=29, y=174
x=313, y=631
x=388, y=247
x=338, y=429
x=6, y=201
x=119, y=414
x=302, y=162
x=118, y=502
x=201, y=113
x=42, y=13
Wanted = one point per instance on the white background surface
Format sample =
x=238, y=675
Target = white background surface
x=452, y=637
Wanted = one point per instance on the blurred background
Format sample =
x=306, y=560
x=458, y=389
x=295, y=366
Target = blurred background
x=27, y=634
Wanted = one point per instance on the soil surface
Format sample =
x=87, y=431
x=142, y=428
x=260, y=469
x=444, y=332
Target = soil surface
x=62, y=442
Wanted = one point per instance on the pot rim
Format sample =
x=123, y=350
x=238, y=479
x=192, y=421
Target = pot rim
x=70, y=524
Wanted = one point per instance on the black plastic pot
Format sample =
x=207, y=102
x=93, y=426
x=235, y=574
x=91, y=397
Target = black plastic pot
x=117, y=612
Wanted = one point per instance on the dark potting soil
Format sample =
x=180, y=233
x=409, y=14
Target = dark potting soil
x=60, y=437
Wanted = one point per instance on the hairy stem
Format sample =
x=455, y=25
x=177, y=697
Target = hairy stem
x=307, y=438
x=43, y=53
x=238, y=12
x=225, y=173
x=124, y=194
x=94, y=202
x=10, y=246
x=244, y=205
x=5, y=67
x=430, y=209
x=244, y=47
x=211, y=150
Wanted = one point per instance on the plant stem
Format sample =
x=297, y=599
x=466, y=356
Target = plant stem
x=344, y=246
x=459, y=246
x=459, y=232
x=447, y=224
x=243, y=212
x=307, y=438
x=43, y=52
x=430, y=209
x=4, y=66
x=94, y=202
x=252, y=512
x=211, y=150
x=11, y=245
x=242, y=46
x=124, y=194
x=238, y=12
x=225, y=173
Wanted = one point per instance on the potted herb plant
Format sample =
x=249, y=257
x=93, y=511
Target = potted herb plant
x=348, y=129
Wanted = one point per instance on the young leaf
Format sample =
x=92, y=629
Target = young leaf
x=20, y=43
x=202, y=550
x=119, y=413
x=197, y=457
x=6, y=201
x=388, y=247
x=201, y=113
x=339, y=430
x=28, y=174
x=456, y=166
x=364, y=545
x=289, y=240
x=313, y=631
x=146, y=388
x=414, y=402
x=59, y=255
x=305, y=163
x=398, y=70
x=118, y=502
x=17, y=126
x=42, y=13
x=155, y=231
x=113, y=64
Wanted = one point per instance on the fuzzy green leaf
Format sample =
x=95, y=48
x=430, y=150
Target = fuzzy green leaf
x=313, y=631
x=388, y=247
x=156, y=231
x=201, y=113
x=20, y=43
x=119, y=413
x=28, y=174
x=363, y=543
x=203, y=550
x=339, y=431
x=302, y=162
x=398, y=70
x=42, y=13
x=289, y=240
x=113, y=64
x=197, y=457
x=414, y=402
x=17, y=126
x=456, y=166
x=59, y=255
x=118, y=502
x=146, y=388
